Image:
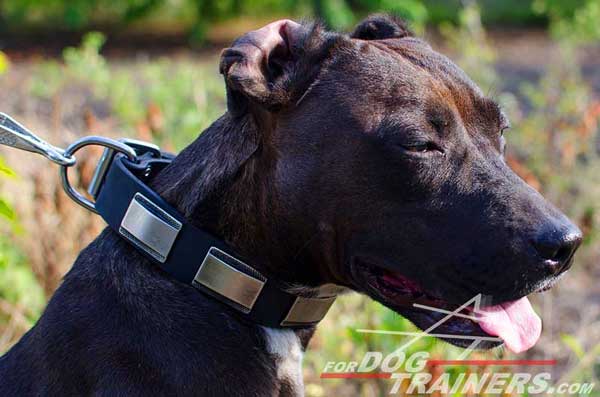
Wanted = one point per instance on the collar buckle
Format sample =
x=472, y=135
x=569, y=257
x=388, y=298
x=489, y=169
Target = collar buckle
x=139, y=148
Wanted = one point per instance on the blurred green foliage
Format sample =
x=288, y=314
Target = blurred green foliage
x=468, y=40
x=4, y=62
x=18, y=285
x=6, y=210
x=19, y=290
x=576, y=25
x=171, y=101
x=197, y=16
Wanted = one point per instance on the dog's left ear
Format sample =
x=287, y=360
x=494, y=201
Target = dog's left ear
x=380, y=27
x=267, y=66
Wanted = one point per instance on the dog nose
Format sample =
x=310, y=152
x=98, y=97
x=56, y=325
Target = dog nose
x=556, y=245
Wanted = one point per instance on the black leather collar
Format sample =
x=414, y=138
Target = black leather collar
x=187, y=253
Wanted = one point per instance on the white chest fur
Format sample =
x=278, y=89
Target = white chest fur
x=284, y=346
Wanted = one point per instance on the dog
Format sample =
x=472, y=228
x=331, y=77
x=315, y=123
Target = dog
x=366, y=161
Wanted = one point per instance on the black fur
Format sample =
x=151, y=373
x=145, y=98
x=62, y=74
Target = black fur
x=381, y=27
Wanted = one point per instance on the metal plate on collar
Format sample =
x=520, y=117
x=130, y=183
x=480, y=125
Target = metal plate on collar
x=227, y=281
x=308, y=310
x=150, y=227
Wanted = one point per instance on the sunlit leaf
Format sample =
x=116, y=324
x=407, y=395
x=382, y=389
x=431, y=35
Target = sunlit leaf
x=6, y=170
x=4, y=62
x=6, y=210
x=573, y=344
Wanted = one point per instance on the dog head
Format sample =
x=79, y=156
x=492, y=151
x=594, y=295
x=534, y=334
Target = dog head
x=387, y=167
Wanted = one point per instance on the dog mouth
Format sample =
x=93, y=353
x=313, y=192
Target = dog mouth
x=513, y=323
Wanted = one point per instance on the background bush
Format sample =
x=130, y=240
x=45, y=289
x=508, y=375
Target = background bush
x=195, y=17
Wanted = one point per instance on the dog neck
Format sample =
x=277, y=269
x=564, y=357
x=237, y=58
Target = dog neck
x=223, y=183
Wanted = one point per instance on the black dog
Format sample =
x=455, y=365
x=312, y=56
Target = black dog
x=366, y=161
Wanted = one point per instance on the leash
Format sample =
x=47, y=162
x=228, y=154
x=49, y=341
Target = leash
x=120, y=194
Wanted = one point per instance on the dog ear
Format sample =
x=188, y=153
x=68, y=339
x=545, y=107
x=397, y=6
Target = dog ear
x=262, y=66
x=381, y=26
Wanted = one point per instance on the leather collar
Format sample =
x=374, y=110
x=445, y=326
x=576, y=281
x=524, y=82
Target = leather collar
x=187, y=253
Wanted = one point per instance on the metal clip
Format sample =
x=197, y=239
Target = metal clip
x=15, y=135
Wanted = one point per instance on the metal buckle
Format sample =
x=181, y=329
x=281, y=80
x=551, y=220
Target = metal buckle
x=150, y=227
x=107, y=157
x=227, y=281
x=308, y=310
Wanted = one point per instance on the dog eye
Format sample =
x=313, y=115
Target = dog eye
x=420, y=147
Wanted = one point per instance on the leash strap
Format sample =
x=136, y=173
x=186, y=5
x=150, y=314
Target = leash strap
x=187, y=253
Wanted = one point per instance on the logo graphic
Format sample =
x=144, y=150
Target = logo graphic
x=422, y=383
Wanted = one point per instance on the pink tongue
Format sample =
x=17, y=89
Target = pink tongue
x=514, y=322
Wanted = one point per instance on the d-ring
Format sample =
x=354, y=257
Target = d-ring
x=88, y=141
